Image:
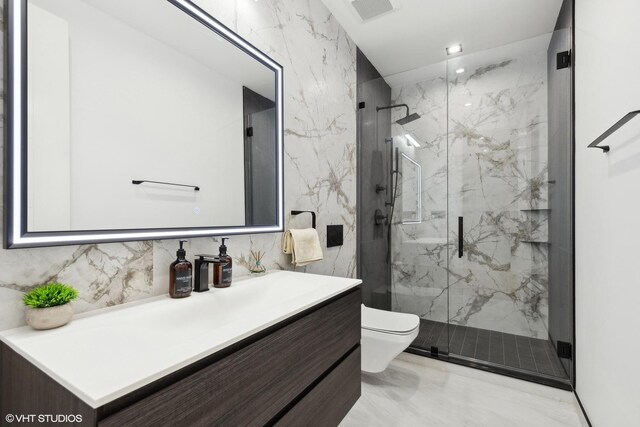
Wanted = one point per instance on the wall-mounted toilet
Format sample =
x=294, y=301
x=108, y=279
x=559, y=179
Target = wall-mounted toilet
x=385, y=334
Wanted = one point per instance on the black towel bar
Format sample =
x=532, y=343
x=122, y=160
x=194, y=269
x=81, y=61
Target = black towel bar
x=140, y=181
x=612, y=129
x=313, y=216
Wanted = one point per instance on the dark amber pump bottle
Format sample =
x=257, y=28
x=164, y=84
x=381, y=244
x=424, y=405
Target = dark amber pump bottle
x=180, y=274
x=222, y=268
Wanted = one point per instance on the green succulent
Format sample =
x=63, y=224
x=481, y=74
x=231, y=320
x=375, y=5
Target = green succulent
x=49, y=295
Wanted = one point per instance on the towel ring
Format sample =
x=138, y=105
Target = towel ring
x=313, y=216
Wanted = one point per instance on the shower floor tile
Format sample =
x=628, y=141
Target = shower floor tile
x=531, y=354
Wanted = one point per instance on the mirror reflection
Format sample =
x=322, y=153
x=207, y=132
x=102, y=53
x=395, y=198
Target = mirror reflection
x=141, y=117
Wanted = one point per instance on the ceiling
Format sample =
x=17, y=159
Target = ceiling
x=416, y=34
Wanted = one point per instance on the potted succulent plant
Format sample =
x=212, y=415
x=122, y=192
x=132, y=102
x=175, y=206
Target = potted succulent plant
x=48, y=305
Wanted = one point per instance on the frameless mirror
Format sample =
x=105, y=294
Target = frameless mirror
x=138, y=120
x=411, y=191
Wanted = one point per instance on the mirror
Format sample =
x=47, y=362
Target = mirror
x=411, y=191
x=136, y=120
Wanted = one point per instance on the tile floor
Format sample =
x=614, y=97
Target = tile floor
x=509, y=350
x=419, y=391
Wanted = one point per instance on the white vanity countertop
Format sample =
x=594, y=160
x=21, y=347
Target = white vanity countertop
x=107, y=353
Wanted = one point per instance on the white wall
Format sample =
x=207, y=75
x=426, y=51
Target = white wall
x=49, y=124
x=607, y=212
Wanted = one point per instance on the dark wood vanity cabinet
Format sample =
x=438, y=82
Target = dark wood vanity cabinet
x=304, y=370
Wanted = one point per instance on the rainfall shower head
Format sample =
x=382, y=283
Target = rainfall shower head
x=408, y=118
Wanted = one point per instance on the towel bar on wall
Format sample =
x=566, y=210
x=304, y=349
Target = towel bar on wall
x=313, y=216
x=140, y=181
x=612, y=129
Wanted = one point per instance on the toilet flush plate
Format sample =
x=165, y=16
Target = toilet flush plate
x=335, y=236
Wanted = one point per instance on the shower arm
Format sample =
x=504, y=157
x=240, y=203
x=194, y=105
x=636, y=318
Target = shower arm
x=393, y=106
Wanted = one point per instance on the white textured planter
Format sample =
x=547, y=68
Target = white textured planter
x=50, y=317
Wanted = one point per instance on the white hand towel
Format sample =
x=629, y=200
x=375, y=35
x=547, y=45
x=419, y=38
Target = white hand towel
x=303, y=245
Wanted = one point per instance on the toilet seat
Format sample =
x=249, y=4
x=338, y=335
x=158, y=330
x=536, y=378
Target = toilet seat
x=389, y=322
x=384, y=335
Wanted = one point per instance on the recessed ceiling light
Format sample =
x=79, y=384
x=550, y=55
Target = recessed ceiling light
x=468, y=104
x=412, y=140
x=454, y=49
x=460, y=71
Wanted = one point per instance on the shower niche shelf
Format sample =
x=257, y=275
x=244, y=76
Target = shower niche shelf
x=535, y=242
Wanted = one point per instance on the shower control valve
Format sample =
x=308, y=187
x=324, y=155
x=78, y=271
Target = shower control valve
x=380, y=217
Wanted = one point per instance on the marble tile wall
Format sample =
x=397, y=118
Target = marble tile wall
x=319, y=60
x=492, y=170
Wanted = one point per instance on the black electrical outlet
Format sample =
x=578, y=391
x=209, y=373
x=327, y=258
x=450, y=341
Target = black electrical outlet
x=334, y=235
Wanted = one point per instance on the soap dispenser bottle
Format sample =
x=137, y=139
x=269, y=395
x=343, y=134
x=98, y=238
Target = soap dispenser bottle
x=180, y=273
x=222, y=268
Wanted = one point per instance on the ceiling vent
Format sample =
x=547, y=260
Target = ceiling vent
x=369, y=9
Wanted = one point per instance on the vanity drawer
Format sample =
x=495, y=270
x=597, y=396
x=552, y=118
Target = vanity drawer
x=319, y=407
x=256, y=383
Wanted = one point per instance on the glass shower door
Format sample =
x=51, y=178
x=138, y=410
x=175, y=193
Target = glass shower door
x=498, y=208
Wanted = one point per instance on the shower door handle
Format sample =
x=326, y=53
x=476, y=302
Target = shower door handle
x=460, y=232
